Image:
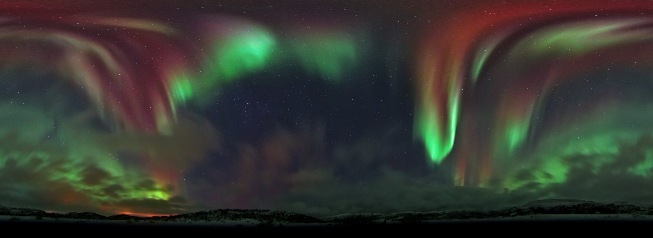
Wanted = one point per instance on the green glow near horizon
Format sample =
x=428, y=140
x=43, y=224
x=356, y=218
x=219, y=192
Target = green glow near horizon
x=59, y=165
x=645, y=167
x=600, y=135
x=68, y=168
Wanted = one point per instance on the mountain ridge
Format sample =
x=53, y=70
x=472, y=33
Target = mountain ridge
x=554, y=208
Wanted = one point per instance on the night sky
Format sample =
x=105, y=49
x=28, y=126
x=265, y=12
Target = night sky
x=323, y=107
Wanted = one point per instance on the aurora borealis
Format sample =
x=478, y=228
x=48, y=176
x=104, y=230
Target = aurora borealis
x=318, y=107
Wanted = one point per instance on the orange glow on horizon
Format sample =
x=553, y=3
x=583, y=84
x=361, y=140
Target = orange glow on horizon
x=139, y=214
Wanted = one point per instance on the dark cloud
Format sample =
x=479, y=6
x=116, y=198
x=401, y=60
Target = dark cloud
x=174, y=205
x=93, y=175
x=395, y=191
x=276, y=164
x=597, y=177
x=113, y=190
x=280, y=172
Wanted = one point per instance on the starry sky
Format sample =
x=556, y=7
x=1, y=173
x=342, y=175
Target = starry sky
x=323, y=107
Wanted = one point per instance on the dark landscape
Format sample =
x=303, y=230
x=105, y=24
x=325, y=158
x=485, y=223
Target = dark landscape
x=553, y=210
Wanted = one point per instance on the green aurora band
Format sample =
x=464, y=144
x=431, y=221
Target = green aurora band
x=533, y=72
x=571, y=40
x=242, y=52
x=114, y=171
x=329, y=55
